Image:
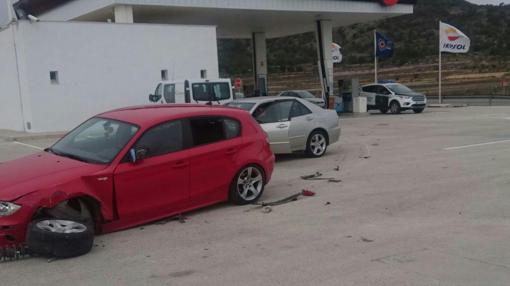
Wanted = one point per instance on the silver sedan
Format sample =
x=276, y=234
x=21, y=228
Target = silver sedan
x=293, y=124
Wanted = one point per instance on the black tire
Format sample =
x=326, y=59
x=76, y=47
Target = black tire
x=43, y=242
x=418, y=110
x=237, y=189
x=311, y=146
x=395, y=107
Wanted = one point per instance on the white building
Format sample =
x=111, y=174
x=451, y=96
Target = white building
x=74, y=63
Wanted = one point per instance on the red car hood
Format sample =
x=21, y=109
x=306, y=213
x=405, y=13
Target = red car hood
x=40, y=171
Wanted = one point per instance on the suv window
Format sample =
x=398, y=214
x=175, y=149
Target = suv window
x=169, y=93
x=298, y=109
x=278, y=111
x=163, y=139
x=382, y=90
x=370, y=88
x=207, y=130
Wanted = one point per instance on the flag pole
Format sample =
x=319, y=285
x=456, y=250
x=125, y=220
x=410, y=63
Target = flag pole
x=375, y=57
x=440, y=67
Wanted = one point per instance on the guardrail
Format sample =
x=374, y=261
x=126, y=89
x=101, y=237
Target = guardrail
x=474, y=100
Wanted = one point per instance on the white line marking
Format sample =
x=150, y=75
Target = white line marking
x=28, y=145
x=477, y=145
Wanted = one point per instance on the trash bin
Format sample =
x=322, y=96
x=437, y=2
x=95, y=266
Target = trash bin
x=339, y=104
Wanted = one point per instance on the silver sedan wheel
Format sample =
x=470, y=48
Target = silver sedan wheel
x=318, y=144
x=250, y=183
x=61, y=226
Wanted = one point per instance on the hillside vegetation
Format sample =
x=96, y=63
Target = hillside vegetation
x=415, y=36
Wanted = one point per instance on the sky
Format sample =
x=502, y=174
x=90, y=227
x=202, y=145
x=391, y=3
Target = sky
x=493, y=2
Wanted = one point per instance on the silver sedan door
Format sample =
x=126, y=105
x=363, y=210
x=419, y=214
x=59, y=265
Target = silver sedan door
x=302, y=123
x=273, y=117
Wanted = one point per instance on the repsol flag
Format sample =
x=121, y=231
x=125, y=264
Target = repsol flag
x=452, y=40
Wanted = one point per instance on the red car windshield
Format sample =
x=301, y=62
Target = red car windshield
x=98, y=140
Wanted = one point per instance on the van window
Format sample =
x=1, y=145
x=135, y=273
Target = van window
x=169, y=93
x=159, y=90
x=221, y=90
x=211, y=91
x=201, y=92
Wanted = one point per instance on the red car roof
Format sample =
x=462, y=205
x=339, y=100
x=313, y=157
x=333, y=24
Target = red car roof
x=148, y=115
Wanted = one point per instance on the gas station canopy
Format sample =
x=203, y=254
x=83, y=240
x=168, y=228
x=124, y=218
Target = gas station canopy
x=233, y=18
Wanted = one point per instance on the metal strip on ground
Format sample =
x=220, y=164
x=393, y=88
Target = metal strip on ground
x=476, y=145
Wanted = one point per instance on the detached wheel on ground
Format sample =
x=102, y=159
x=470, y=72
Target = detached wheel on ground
x=59, y=238
x=317, y=144
x=418, y=110
x=395, y=107
x=247, y=186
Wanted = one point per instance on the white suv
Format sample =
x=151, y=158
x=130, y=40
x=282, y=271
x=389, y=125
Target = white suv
x=393, y=97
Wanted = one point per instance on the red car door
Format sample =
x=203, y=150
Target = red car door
x=158, y=185
x=212, y=160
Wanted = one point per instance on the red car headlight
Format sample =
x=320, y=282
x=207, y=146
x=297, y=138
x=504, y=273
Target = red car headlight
x=7, y=209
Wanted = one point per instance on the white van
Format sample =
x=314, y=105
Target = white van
x=217, y=91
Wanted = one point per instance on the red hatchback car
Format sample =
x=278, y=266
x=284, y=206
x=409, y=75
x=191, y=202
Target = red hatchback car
x=131, y=166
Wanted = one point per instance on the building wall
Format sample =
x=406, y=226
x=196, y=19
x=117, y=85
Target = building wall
x=104, y=66
x=10, y=107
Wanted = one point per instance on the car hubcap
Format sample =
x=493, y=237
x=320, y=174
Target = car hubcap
x=61, y=226
x=318, y=144
x=249, y=183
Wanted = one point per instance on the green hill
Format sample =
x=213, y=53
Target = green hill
x=415, y=37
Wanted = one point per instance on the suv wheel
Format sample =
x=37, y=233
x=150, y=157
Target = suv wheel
x=395, y=107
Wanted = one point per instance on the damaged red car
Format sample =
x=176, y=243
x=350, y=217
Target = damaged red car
x=128, y=167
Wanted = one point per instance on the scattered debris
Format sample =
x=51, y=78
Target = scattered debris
x=53, y=259
x=180, y=218
x=337, y=168
x=307, y=193
x=310, y=177
x=16, y=252
x=267, y=206
x=327, y=203
x=318, y=177
x=364, y=239
x=364, y=152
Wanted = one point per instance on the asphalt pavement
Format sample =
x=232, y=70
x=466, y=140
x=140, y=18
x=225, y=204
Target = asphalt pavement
x=424, y=200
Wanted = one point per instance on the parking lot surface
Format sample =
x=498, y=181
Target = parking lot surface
x=424, y=200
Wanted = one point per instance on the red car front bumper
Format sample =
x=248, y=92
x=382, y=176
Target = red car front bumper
x=13, y=228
